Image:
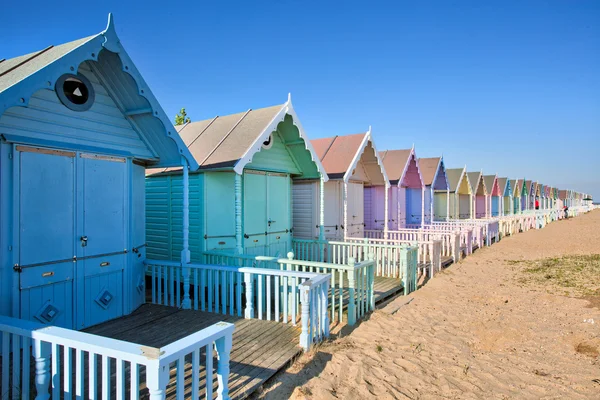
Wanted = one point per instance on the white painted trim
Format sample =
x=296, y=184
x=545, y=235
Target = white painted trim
x=368, y=138
x=256, y=146
x=405, y=170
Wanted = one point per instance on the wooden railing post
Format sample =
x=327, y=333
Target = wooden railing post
x=42, y=369
x=305, y=337
x=371, y=276
x=223, y=348
x=249, y=312
x=186, y=304
x=351, y=292
x=324, y=307
x=157, y=378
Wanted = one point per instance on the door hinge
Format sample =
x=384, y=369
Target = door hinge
x=10, y=156
x=17, y=268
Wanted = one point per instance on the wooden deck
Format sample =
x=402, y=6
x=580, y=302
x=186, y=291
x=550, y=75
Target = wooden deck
x=260, y=348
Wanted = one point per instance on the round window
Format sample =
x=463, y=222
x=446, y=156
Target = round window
x=268, y=143
x=75, y=91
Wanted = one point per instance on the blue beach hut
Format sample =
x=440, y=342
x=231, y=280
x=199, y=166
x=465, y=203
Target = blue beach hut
x=78, y=127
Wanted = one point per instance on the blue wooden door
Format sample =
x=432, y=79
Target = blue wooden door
x=278, y=209
x=103, y=239
x=255, y=212
x=46, y=234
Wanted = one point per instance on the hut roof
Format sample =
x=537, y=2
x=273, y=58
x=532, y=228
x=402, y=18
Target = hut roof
x=489, y=181
x=502, y=185
x=340, y=156
x=231, y=141
x=395, y=162
x=429, y=167
x=22, y=76
x=454, y=177
x=476, y=181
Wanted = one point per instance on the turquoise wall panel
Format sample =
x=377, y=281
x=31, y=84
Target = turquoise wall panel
x=219, y=192
x=164, y=223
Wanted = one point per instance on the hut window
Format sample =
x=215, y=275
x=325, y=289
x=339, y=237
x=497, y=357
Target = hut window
x=75, y=91
x=268, y=143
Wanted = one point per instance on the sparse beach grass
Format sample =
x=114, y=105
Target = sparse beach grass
x=576, y=275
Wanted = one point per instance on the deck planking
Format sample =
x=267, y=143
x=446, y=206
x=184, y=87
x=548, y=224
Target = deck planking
x=260, y=348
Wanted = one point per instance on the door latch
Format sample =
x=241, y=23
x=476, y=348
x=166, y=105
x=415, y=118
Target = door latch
x=84, y=240
x=271, y=222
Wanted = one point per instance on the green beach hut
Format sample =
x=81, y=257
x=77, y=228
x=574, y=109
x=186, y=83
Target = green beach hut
x=241, y=194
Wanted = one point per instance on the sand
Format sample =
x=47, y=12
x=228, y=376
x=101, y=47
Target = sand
x=475, y=331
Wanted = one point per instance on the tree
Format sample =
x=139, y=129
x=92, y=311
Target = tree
x=182, y=118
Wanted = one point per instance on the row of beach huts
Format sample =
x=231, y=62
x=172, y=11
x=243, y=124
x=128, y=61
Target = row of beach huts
x=143, y=260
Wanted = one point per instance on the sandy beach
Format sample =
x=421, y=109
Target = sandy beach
x=486, y=328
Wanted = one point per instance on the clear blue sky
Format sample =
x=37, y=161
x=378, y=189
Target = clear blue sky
x=511, y=87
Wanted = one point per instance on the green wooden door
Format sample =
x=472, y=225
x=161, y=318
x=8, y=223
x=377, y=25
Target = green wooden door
x=255, y=212
x=278, y=209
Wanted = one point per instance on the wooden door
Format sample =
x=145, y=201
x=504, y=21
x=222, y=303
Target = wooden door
x=103, y=239
x=46, y=234
x=278, y=209
x=355, y=210
x=255, y=212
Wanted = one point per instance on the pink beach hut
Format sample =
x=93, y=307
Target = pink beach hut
x=406, y=199
x=495, y=193
x=479, y=193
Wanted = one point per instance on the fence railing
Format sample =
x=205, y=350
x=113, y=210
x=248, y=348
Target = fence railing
x=426, y=233
x=239, y=260
x=351, y=284
x=391, y=261
x=71, y=364
x=288, y=297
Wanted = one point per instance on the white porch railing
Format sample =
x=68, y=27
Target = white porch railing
x=391, y=261
x=275, y=295
x=427, y=233
x=354, y=281
x=71, y=364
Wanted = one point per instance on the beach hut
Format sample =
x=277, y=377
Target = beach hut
x=516, y=191
x=506, y=190
x=525, y=186
x=407, y=200
x=480, y=194
x=533, y=195
x=356, y=191
x=78, y=127
x=461, y=204
x=494, y=195
x=241, y=198
x=437, y=190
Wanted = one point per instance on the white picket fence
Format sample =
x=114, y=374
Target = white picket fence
x=289, y=297
x=60, y=357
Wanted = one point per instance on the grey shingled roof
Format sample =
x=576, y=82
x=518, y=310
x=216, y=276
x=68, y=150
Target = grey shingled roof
x=489, y=182
x=14, y=70
x=454, y=175
x=223, y=140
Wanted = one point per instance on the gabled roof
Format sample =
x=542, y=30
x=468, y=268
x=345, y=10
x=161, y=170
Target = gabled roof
x=429, y=169
x=503, y=185
x=397, y=162
x=475, y=179
x=21, y=77
x=489, y=181
x=340, y=155
x=455, y=176
x=231, y=141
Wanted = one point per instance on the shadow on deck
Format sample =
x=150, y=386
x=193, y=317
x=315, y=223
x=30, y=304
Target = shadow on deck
x=260, y=348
